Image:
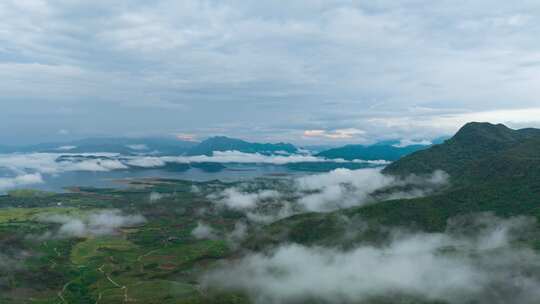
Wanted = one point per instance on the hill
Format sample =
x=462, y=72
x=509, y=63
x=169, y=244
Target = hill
x=222, y=143
x=476, y=148
x=388, y=152
x=492, y=169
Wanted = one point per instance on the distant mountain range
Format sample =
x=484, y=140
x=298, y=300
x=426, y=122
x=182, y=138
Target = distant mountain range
x=387, y=150
x=390, y=150
x=222, y=143
x=373, y=152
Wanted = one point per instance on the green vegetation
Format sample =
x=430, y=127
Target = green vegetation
x=158, y=262
x=374, y=152
x=492, y=169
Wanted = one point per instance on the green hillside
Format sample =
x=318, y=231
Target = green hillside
x=492, y=169
x=374, y=152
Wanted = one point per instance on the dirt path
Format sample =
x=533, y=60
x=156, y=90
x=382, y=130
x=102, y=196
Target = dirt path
x=61, y=292
x=123, y=287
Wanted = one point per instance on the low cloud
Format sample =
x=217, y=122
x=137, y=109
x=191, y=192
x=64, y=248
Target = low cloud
x=145, y=162
x=340, y=188
x=407, y=142
x=7, y=183
x=138, y=147
x=344, y=188
x=339, y=134
x=234, y=198
x=155, y=196
x=104, y=222
x=480, y=266
x=337, y=189
x=57, y=163
x=257, y=158
x=66, y=148
x=203, y=231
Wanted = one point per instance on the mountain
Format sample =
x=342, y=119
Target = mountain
x=381, y=151
x=476, y=146
x=492, y=169
x=222, y=143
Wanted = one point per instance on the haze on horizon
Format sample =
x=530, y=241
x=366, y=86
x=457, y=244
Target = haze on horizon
x=314, y=72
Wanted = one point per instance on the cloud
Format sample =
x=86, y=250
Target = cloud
x=336, y=134
x=481, y=266
x=257, y=158
x=138, y=147
x=338, y=189
x=66, y=148
x=54, y=163
x=203, y=231
x=145, y=162
x=105, y=222
x=239, y=233
x=343, y=188
x=186, y=137
x=407, y=142
x=236, y=199
x=20, y=180
x=155, y=196
x=332, y=65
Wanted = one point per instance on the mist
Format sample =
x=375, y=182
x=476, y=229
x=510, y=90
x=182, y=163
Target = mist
x=483, y=265
x=104, y=222
x=338, y=189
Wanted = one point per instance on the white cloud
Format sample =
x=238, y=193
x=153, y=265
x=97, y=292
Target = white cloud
x=66, y=148
x=407, y=142
x=103, y=222
x=479, y=267
x=138, y=147
x=155, y=196
x=339, y=134
x=343, y=188
x=236, y=199
x=203, y=231
x=56, y=163
x=20, y=180
x=240, y=157
x=325, y=192
x=146, y=162
x=341, y=62
x=48, y=163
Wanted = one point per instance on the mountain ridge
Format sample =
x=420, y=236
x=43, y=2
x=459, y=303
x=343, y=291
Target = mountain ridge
x=224, y=143
x=472, y=143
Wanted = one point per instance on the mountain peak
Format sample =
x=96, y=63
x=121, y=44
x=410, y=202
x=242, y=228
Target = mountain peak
x=480, y=132
x=223, y=143
x=473, y=142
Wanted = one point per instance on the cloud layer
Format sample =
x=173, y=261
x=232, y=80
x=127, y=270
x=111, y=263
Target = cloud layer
x=387, y=68
x=7, y=183
x=268, y=201
x=480, y=266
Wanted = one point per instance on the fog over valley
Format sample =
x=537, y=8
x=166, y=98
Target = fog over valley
x=269, y=152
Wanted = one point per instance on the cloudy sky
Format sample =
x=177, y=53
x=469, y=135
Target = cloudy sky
x=300, y=71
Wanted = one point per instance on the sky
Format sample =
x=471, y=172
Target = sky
x=308, y=72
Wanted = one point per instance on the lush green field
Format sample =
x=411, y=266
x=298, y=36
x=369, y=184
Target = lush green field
x=158, y=261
